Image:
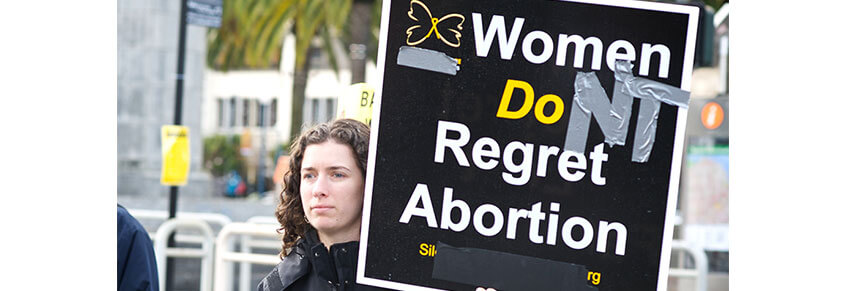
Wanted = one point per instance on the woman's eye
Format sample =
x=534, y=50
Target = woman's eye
x=338, y=175
x=307, y=176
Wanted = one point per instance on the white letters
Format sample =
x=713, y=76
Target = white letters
x=564, y=164
x=566, y=231
x=613, y=53
x=543, y=158
x=483, y=41
x=645, y=59
x=455, y=145
x=513, y=218
x=617, y=50
x=621, y=237
x=580, y=46
x=551, y=237
x=478, y=220
x=478, y=153
x=446, y=215
x=536, y=218
x=545, y=54
x=420, y=193
x=598, y=156
x=524, y=168
x=485, y=152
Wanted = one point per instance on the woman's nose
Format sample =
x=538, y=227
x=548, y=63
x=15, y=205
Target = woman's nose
x=321, y=187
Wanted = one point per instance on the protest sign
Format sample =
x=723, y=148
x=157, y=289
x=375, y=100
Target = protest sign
x=526, y=145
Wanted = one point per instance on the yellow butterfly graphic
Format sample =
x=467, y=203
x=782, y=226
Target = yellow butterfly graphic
x=453, y=23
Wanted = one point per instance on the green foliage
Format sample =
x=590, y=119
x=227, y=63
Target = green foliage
x=251, y=31
x=221, y=154
x=715, y=4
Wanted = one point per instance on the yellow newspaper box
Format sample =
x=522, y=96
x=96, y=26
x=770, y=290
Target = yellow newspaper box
x=175, y=155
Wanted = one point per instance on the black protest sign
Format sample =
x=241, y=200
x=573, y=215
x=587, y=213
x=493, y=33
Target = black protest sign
x=526, y=143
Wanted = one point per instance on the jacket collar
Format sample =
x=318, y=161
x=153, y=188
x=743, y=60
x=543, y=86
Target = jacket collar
x=294, y=266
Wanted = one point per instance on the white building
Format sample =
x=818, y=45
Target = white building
x=257, y=103
x=147, y=41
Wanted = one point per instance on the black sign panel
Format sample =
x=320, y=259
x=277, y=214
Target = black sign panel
x=480, y=174
x=205, y=12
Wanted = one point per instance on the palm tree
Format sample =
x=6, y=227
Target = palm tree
x=251, y=32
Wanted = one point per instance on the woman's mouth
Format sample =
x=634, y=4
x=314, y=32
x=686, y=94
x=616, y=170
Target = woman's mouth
x=318, y=209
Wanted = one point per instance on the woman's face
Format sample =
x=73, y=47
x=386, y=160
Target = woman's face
x=332, y=189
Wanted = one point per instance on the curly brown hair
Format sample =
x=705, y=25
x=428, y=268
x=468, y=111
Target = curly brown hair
x=289, y=212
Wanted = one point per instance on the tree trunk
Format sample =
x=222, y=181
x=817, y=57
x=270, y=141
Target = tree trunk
x=300, y=79
x=359, y=30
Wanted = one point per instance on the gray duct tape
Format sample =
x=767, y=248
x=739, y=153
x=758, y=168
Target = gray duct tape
x=590, y=99
x=504, y=271
x=426, y=59
x=646, y=129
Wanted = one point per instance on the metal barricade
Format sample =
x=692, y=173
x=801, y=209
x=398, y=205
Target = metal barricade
x=211, y=218
x=699, y=272
x=206, y=252
x=247, y=244
x=224, y=256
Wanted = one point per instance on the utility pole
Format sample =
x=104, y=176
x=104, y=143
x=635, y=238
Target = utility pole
x=177, y=120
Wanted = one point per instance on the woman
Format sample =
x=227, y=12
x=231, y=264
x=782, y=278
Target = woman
x=320, y=210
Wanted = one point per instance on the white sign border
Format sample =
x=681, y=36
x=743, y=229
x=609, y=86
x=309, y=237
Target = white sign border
x=677, y=154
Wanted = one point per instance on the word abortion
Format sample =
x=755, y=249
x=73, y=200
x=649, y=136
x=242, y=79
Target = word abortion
x=535, y=216
x=486, y=152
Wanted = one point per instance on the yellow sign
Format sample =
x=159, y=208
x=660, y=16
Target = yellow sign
x=175, y=155
x=357, y=103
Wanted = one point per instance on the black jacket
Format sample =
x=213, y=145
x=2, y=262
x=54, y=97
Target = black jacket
x=136, y=261
x=310, y=266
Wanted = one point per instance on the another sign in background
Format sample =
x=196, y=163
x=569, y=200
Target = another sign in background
x=482, y=152
x=205, y=12
x=356, y=102
x=175, y=155
x=706, y=201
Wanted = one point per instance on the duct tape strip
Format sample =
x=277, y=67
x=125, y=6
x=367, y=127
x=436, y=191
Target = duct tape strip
x=426, y=59
x=504, y=271
x=590, y=99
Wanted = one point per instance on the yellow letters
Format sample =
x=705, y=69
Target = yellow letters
x=594, y=277
x=427, y=250
x=503, y=111
x=506, y=100
x=541, y=104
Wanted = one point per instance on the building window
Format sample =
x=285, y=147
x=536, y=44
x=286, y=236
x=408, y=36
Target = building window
x=262, y=112
x=246, y=108
x=319, y=110
x=220, y=112
x=232, y=112
x=273, y=105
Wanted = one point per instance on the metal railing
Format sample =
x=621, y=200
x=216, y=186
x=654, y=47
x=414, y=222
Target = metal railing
x=211, y=218
x=248, y=243
x=225, y=256
x=699, y=272
x=206, y=252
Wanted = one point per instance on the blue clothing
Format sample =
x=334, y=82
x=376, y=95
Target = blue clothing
x=136, y=262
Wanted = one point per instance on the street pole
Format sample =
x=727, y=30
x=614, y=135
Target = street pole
x=177, y=120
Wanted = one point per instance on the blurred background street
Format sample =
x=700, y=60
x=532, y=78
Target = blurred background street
x=252, y=80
